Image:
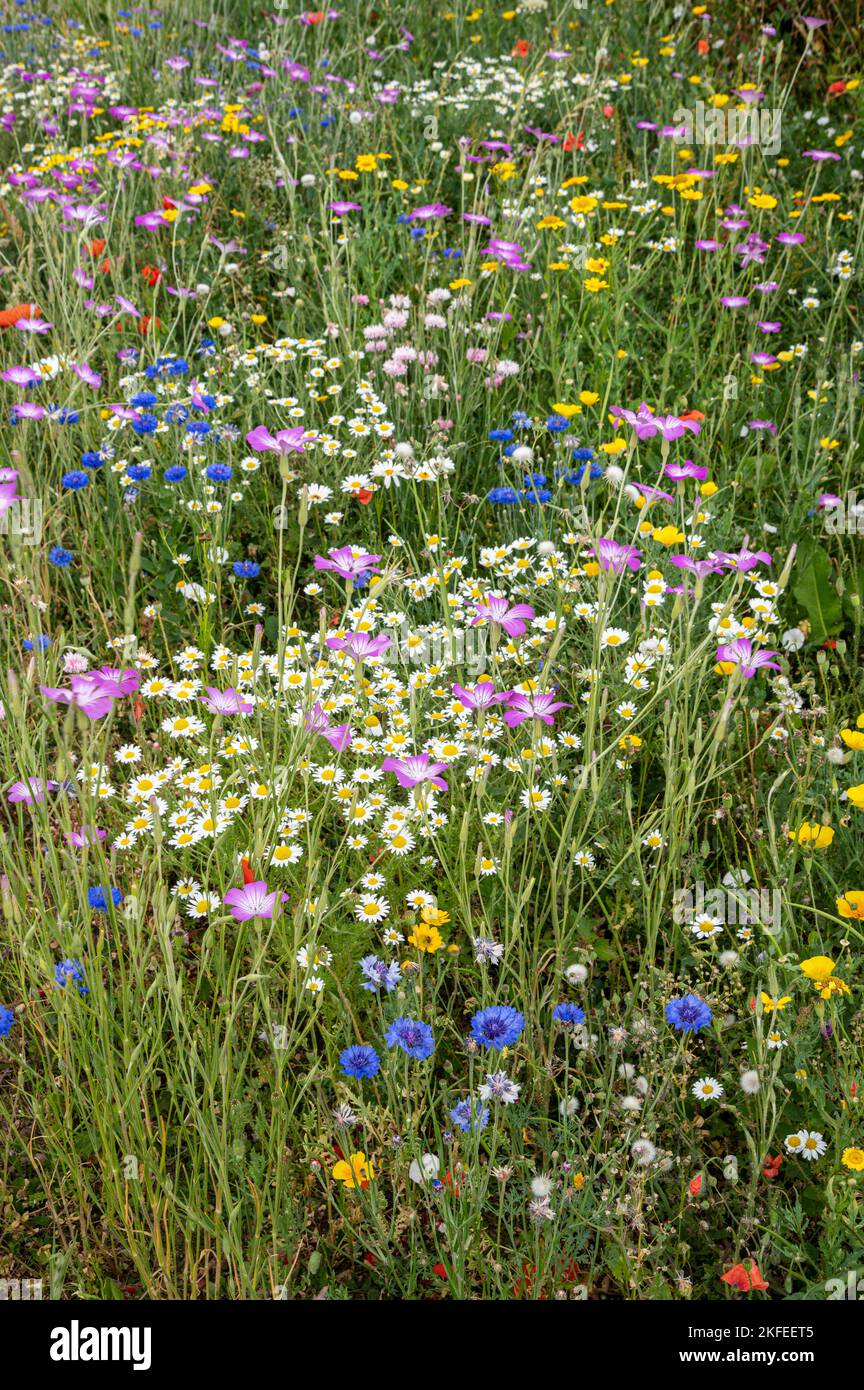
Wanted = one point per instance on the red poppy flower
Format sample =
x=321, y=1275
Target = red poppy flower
x=742, y=1279
x=8, y=317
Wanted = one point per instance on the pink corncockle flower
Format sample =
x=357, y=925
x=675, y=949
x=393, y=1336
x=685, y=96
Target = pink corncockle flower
x=541, y=706
x=337, y=735
x=21, y=376
x=687, y=469
x=127, y=307
x=743, y=559
x=615, y=557
x=430, y=210
x=282, y=442
x=498, y=612
x=651, y=494
x=87, y=835
x=115, y=683
x=348, y=563
x=343, y=206
x=818, y=157
x=8, y=489
x=28, y=410
x=734, y=301
x=415, y=770
x=30, y=791
x=85, y=372
x=646, y=424
x=228, y=701
x=483, y=696
x=742, y=654
x=33, y=326
x=359, y=645
x=697, y=567
x=84, y=695
x=252, y=900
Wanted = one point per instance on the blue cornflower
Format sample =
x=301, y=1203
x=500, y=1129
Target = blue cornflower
x=36, y=644
x=414, y=1038
x=208, y=402
x=497, y=1027
x=75, y=480
x=470, y=1116
x=575, y=478
x=145, y=424
x=534, y=495
x=98, y=898
x=179, y=367
x=219, y=472
x=7, y=1018
x=568, y=1014
x=583, y=455
x=92, y=459
x=176, y=415
x=502, y=496
x=247, y=569
x=70, y=972
x=60, y=558
x=501, y=436
x=65, y=416
x=556, y=424
x=688, y=1014
x=138, y=472
x=175, y=474
x=522, y=420
x=142, y=399
x=380, y=975
x=198, y=427
x=360, y=1061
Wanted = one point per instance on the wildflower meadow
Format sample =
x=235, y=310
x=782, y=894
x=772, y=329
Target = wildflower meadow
x=431, y=568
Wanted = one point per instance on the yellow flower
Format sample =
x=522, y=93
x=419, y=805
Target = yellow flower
x=854, y=1159
x=853, y=738
x=589, y=397
x=774, y=1005
x=817, y=968
x=856, y=796
x=668, y=535
x=355, y=1173
x=434, y=917
x=851, y=904
x=560, y=408
x=819, y=836
x=426, y=939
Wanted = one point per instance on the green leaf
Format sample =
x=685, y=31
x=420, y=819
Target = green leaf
x=814, y=589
